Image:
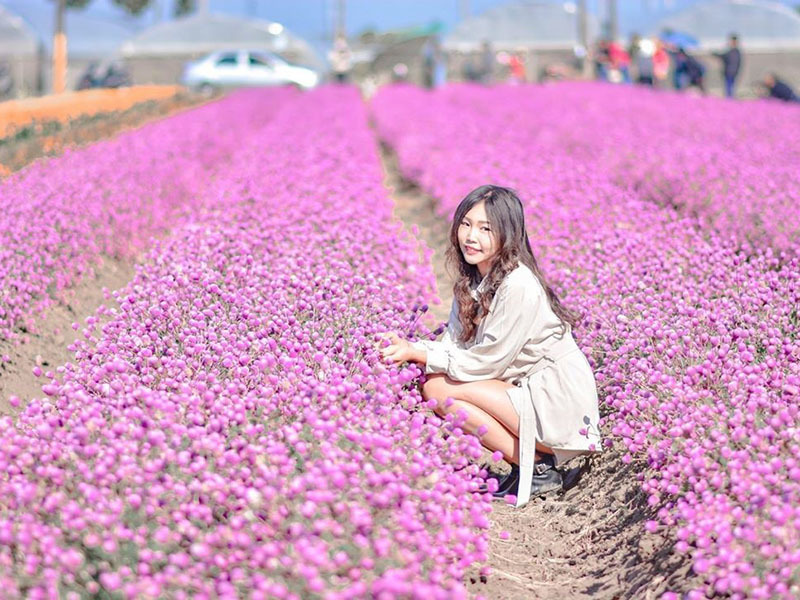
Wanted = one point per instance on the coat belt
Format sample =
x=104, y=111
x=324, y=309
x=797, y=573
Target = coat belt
x=564, y=347
x=527, y=417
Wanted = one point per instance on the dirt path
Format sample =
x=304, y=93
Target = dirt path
x=418, y=212
x=586, y=543
x=47, y=348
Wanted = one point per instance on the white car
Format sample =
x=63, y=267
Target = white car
x=239, y=68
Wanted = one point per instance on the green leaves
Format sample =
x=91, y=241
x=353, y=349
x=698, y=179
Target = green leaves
x=184, y=7
x=135, y=7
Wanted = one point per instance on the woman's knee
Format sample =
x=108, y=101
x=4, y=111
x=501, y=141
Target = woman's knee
x=433, y=387
x=441, y=387
x=436, y=387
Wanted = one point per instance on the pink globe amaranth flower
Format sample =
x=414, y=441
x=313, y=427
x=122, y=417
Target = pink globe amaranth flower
x=59, y=228
x=301, y=450
x=686, y=270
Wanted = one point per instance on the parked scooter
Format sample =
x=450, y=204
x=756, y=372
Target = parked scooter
x=104, y=75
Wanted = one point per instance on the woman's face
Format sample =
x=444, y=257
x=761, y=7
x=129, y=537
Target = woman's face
x=476, y=240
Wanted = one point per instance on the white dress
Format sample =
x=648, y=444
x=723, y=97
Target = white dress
x=523, y=342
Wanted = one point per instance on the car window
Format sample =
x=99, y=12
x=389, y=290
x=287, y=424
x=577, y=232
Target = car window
x=226, y=59
x=260, y=60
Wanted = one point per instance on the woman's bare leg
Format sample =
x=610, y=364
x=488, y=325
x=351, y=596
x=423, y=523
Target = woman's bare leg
x=497, y=437
x=486, y=403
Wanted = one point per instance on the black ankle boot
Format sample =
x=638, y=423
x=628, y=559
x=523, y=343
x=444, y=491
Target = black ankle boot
x=508, y=479
x=546, y=478
x=503, y=481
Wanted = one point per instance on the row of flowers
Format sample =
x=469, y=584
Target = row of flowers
x=61, y=216
x=692, y=334
x=230, y=430
x=731, y=164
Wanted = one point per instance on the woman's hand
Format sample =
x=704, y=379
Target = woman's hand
x=400, y=350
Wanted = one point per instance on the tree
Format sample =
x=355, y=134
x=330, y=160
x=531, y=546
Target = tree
x=184, y=7
x=134, y=7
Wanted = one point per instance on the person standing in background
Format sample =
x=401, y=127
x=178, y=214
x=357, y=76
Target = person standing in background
x=660, y=64
x=516, y=67
x=439, y=67
x=731, y=64
x=487, y=63
x=620, y=60
x=341, y=59
x=601, y=61
x=641, y=52
x=434, y=65
x=428, y=63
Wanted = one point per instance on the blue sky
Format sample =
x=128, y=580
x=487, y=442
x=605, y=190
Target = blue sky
x=103, y=25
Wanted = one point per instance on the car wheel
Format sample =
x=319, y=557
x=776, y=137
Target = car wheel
x=206, y=89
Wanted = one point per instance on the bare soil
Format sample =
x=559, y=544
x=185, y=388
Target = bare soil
x=588, y=542
x=47, y=348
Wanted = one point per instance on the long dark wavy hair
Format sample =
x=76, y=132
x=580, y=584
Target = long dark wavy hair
x=507, y=223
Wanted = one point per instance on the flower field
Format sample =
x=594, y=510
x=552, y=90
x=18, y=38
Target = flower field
x=227, y=428
x=51, y=136
x=692, y=328
x=230, y=430
x=744, y=183
x=60, y=216
x=732, y=165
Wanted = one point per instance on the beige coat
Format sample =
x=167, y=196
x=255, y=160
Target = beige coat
x=522, y=341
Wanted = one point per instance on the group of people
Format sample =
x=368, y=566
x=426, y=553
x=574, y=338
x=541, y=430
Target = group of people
x=656, y=62
x=648, y=62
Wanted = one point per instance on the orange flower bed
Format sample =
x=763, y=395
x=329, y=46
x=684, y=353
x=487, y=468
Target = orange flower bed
x=15, y=114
